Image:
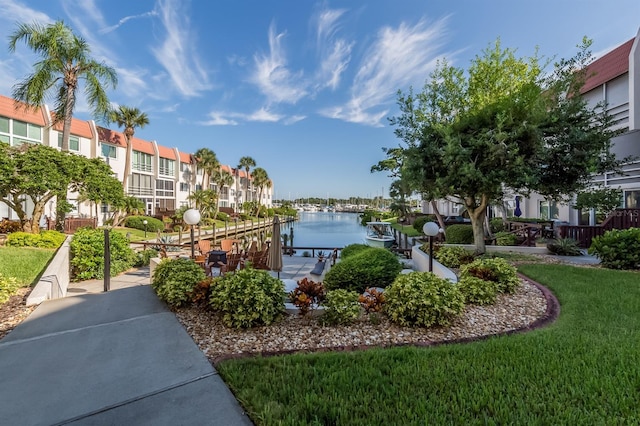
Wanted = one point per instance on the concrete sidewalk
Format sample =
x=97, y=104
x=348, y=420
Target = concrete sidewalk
x=119, y=357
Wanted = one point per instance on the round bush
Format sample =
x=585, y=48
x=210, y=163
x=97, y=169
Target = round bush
x=144, y=257
x=247, y=298
x=153, y=224
x=341, y=307
x=419, y=222
x=477, y=291
x=422, y=299
x=175, y=279
x=495, y=269
x=353, y=249
x=222, y=216
x=453, y=256
x=459, y=234
x=374, y=267
x=496, y=225
x=87, y=254
x=618, y=249
x=8, y=287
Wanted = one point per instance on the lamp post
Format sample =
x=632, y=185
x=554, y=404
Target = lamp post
x=144, y=222
x=431, y=229
x=191, y=217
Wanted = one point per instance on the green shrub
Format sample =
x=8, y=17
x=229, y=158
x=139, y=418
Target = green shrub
x=341, y=307
x=505, y=239
x=496, y=225
x=477, y=291
x=374, y=267
x=144, y=257
x=453, y=256
x=222, y=216
x=174, y=280
x=459, y=234
x=353, y=249
x=45, y=239
x=618, y=249
x=495, y=269
x=564, y=247
x=8, y=287
x=422, y=299
x=419, y=222
x=247, y=298
x=153, y=224
x=87, y=254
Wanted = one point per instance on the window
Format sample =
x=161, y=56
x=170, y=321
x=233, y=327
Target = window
x=74, y=142
x=184, y=167
x=4, y=125
x=108, y=151
x=164, y=188
x=142, y=162
x=184, y=187
x=548, y=210
x=167, y=167
x=632, y=199
x=140, y=185
x=29, y=133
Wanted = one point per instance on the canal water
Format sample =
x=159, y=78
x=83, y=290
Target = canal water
x=326, y=229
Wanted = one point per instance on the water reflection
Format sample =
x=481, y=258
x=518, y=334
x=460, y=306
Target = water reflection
x=326, y=229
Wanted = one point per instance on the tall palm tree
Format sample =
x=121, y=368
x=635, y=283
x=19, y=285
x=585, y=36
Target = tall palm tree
x=128, y=118
x=260, y=180
x=246, y=163
x=221, y=179
x=208, y=161
x=64, y=61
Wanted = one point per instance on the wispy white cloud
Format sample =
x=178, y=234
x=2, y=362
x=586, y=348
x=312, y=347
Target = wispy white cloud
x=335, y=52
x=220, y=118
x=272, y=76
x=294, y=119
x=16, y=11
x=399, y=57
x=177, y=54
x=122, y=21
x=217, y=118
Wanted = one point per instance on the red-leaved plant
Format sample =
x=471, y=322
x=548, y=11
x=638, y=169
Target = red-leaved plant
x=307, y=295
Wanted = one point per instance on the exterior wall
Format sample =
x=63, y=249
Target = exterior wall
x=634, y=85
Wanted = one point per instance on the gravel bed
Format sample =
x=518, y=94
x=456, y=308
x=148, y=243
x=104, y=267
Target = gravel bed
x=14, y=311
x=218, y=342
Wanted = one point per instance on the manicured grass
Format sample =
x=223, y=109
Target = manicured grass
x=405, y=229
x=582, y=369
x=24, y=263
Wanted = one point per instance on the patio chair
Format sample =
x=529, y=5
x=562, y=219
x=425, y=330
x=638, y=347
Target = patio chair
x=233, y=262
x=204, y=246
x=227, y=245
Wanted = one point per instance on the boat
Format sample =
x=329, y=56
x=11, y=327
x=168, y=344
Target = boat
x=379, y=234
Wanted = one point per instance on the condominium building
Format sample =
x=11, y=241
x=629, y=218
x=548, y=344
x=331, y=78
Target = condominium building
x=160, y=176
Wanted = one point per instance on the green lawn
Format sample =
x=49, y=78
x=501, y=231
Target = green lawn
x=583, y=369
x=24, y=263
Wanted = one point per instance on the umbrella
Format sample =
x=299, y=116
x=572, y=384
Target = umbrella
x=274, y=261
x=517, y=212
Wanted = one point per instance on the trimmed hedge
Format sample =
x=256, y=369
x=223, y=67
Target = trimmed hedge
x=419, y=222
x=87, y=254
x=459, y=234
x=341, y=307
x=478, y=291
x=45, y=239
x=153, y=224
x=353, y=249
x=453, y=256
x=505, y=239
x=373, y=267
x=495, y=269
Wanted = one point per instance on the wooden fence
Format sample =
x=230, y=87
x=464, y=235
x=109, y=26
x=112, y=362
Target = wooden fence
x=618, y=219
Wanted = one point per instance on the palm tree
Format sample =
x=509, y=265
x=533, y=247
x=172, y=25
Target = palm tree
x=64, y=61
x=260, y=180
x=129, y=118
x=208, y=162
x=246, y=163
x=221, y=179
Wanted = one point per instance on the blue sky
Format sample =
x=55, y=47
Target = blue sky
x=303, y=87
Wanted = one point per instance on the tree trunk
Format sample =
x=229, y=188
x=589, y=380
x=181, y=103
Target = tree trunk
x=66, y=128
x=434, y=206
x=477, y=213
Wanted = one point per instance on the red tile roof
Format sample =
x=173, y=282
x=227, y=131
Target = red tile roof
x=112, y=137
x=165, y=152
x=142, y=146
x=185, y=158
x=608, y=67
x=226, y=168
x=8, y=109
x=78, y=128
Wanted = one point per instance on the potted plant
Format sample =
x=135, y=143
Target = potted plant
x=320, y=256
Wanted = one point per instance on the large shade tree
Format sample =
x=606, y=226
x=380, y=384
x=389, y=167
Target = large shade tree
x=502, y=125
x=64, y=63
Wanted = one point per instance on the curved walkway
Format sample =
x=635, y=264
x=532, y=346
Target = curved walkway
x=119, y=357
